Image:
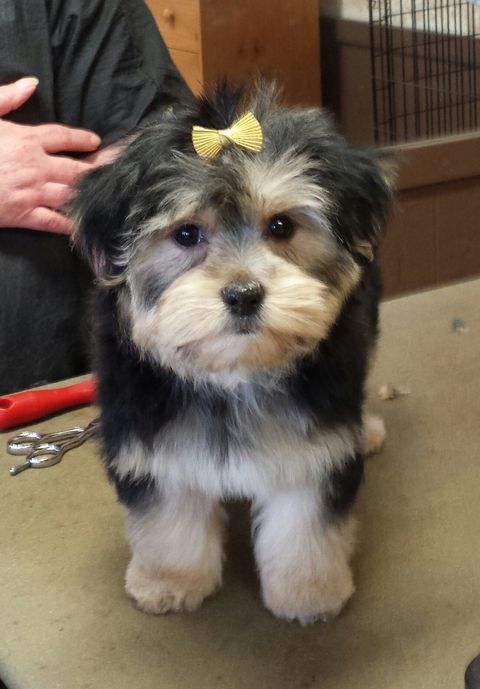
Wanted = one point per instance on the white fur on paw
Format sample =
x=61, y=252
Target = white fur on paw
x=159, y=592
x=309, y=600
x=374, y=434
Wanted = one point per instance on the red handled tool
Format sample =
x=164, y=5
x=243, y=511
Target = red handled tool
x=23, y=407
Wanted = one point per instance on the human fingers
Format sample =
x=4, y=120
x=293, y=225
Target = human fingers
x=65, y=170
x=47, y=220
x=12, y=96
x=54, y=195
x=56, y=138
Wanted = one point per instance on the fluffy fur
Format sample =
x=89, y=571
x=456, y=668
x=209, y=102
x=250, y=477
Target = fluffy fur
x=233, y=365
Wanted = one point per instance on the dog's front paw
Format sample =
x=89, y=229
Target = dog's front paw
x=308, y=599
x=158, y=591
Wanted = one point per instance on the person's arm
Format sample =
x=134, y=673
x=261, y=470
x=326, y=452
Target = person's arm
x=34, y=179
x=112, y=73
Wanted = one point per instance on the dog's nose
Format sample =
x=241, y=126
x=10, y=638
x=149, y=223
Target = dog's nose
x=243, y=298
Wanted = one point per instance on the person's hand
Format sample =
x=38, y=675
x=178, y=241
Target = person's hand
x=34, y=181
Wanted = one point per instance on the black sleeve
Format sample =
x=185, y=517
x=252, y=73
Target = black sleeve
x=112, y=70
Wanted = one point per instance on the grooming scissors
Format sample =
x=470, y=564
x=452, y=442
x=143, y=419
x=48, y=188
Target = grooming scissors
x=46, y=449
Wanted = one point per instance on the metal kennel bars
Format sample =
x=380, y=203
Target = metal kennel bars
x=425, y=58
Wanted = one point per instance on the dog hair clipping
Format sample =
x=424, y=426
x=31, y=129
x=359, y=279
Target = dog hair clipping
x=245, y=132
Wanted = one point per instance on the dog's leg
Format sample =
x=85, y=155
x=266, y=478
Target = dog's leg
x=176, y=552
x=302, y=557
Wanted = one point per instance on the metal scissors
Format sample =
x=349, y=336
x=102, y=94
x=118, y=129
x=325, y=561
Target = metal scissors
x=47, y=449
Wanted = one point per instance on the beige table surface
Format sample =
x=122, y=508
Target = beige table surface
x=414, y=622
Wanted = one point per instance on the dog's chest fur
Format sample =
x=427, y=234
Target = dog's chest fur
x=244, y=443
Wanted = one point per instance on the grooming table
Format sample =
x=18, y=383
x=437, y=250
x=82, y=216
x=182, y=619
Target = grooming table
x=414, y=622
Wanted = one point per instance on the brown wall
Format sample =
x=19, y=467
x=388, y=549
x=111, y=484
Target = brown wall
x=433, y=236
x=212, y=39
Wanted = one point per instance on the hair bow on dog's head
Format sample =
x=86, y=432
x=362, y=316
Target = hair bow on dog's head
x=245, y=132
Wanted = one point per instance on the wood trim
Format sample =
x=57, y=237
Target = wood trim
x=427, y=162
x=357, y=33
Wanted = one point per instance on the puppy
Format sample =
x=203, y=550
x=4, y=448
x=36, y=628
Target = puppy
x=236, y=312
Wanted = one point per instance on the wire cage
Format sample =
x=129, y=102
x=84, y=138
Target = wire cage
x=424, y=62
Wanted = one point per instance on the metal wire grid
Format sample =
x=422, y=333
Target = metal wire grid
x=424, y=58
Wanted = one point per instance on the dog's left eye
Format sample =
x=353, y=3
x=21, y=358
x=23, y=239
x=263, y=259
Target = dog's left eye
x=188, y=235
x=281, y=227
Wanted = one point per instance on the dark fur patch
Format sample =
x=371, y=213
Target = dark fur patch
x=219, y=108
x=341, y=486
x=359, y=190
x=152, y=289
x=330, y=382
x=136, y=399
x=137, y=493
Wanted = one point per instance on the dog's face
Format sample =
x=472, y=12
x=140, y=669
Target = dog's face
x=237, y=264
x=240, y=270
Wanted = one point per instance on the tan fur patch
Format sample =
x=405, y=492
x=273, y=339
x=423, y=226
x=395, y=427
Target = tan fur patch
x=158, y=591
x=277, y=185
x=177, y=553
x=298, y=313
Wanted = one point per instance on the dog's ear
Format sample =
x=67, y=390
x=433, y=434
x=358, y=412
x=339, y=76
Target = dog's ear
x=100, y=210
x=359, y=183
x=364, y=192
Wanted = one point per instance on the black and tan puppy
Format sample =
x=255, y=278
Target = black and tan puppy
x=236, y=312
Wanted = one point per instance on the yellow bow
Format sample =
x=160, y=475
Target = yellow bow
x=245, y=132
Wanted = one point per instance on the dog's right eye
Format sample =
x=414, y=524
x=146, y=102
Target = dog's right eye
x=281, y=227
x=188, y=235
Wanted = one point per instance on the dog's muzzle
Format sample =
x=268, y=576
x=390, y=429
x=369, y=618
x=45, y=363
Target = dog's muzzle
x=243, y=298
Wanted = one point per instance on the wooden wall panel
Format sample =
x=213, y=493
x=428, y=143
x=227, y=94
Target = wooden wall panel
x=178, y=22
x=279, y=39
x=346, y=83
x=433, y=236
x=458, y=229
x=239, y=40
x=408, y=252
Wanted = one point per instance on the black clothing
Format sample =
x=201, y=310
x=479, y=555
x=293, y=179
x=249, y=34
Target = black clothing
x=103, y=66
